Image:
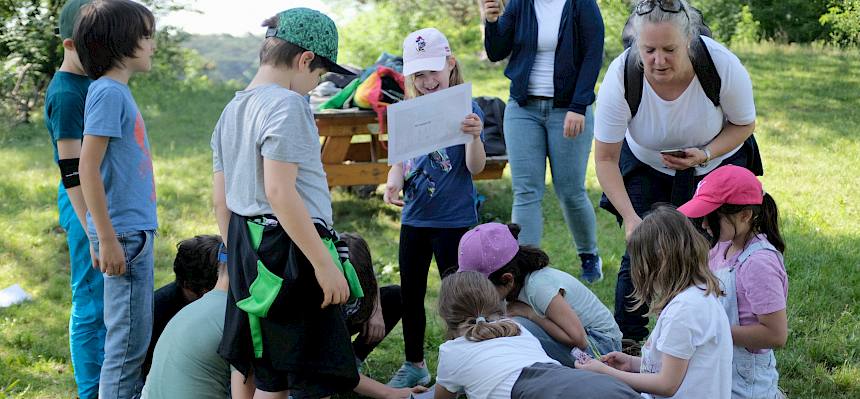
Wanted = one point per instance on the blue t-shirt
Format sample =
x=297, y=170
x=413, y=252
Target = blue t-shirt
x=64, y=107
x=127, y=165
x=438, y=189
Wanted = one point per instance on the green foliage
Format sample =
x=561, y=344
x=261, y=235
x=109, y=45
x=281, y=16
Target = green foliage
x=843, y=20
x=721, y=16
x=615, y=14
x=381, y=26
x=790, y=21
x=747, y=30
x=227, y=57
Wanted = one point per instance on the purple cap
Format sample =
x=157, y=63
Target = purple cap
x=486, y=248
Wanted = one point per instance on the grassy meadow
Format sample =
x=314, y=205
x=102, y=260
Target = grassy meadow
x=807, y=100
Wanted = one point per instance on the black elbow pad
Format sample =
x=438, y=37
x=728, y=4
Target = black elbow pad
x=69, y=172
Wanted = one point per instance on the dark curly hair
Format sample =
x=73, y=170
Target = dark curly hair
x=527, y=260
x=196, y=263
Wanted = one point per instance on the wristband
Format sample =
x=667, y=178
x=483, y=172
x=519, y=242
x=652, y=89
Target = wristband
x=707, y=157
x=222, y=253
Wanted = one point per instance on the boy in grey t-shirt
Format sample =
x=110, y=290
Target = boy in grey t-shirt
x=283, y=322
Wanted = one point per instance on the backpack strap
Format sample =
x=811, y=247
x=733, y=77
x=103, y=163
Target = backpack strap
x=633, y=76
x=705, y=70
x=703, y=66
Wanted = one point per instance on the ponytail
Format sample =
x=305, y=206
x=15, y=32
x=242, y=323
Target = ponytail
x=766, y=221
x=471, y=308
x=480, y=329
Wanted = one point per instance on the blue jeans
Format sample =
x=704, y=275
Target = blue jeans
x=534, y=133
x=86, y=322
x=561, y=352
x=128, y=317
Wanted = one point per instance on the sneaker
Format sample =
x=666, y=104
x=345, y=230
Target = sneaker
x=592, y=268
x=631, y=347
x=409, y=376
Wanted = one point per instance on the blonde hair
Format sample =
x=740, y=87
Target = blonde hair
x=456, y=78
x=471, y=308
x=667, y=256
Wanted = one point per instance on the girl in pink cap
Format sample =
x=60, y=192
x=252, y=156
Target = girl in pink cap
x=746, y=255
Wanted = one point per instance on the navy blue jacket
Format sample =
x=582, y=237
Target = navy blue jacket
x=578, y=55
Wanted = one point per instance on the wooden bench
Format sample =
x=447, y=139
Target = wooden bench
x=354, y=153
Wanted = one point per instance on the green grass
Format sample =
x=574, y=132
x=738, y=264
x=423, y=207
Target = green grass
x=807, y=103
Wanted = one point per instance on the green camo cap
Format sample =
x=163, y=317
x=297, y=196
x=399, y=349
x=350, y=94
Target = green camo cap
x=68, y=16
x=312, y=31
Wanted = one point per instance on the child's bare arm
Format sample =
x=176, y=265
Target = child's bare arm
x=394, y=185
x=71, y=149
x=560, y=313
x=476, y=157
x=664, y=383
x=280, y=184
x=770, y=333
x=219, y=202
x=111, y=254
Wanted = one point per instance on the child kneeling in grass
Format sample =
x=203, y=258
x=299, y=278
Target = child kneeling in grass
x=490, y=356
x=553, y=305
x=689, y=353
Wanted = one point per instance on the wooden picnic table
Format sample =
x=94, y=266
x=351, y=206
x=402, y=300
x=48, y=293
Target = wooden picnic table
x=354, y=153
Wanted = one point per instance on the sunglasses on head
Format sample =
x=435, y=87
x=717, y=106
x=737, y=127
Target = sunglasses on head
x=646, y=6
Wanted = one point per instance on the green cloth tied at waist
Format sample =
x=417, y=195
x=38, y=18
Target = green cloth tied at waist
x=267, y=285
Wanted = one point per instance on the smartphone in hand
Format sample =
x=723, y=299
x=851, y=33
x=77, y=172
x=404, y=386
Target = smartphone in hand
x=677, y=152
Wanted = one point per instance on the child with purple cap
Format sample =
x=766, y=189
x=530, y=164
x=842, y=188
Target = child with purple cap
x=746, y=255
x=553, y=305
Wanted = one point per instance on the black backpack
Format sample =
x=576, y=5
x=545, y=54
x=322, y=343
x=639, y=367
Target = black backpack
x=494, y=117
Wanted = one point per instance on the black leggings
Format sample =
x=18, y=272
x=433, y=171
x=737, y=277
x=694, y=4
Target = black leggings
x=417, y=246
x=392, y=310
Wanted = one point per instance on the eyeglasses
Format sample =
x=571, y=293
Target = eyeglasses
x=672, y=6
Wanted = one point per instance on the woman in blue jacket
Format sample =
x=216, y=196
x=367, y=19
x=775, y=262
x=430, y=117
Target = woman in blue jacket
x=556, y=50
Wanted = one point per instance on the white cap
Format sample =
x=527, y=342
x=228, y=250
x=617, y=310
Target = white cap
x=425, y=50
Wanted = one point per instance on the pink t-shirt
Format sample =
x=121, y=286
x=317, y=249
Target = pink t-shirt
x=762, y=284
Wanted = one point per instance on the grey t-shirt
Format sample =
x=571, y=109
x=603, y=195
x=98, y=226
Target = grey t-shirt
x=541, y=286
x=186, y=363
x=275, y=123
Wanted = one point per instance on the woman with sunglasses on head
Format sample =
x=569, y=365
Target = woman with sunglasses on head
x=695, y=112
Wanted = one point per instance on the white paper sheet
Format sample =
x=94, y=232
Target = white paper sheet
x=427, y=123
x=13, y=295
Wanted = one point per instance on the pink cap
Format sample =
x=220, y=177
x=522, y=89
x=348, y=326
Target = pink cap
x=425, y=50
x=727, y=184
x=486, y=248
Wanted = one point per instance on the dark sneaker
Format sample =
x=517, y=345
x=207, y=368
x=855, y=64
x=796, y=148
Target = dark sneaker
x=592, y=268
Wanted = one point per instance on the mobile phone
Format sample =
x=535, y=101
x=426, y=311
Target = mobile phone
x=677, y=152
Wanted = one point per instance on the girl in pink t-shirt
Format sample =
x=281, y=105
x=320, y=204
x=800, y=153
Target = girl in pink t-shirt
x=746, y=255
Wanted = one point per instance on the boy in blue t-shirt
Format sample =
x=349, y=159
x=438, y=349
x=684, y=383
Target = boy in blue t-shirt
x=64, y=118
x=114, y=41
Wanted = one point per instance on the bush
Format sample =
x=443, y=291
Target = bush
x=843, y=20
x=748, y=29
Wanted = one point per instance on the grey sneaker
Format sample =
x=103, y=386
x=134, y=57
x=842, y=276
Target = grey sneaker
x=592, y=268
x=409, y=376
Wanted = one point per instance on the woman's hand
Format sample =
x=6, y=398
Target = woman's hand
x=630, y=224
x=472, y=125
x=574, y=123
x=694, y=157
x=492, y=10
x=619, y=361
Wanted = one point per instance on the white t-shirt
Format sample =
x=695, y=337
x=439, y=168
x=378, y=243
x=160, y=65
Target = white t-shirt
x=488, y=369
x=548, y=13
x=691, y=120
x=541, y=286
x=693, y=327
